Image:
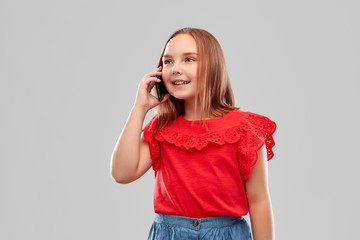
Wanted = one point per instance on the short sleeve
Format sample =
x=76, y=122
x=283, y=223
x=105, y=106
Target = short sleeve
x=154, y=146
x=256, y=131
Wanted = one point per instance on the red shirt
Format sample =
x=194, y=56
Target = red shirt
x=199, y=172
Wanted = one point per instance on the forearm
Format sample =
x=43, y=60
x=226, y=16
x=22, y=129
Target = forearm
x=262, y=222
x=131, y=156
x=126, y=154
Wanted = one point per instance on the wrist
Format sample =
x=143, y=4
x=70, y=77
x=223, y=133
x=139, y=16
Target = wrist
x=139, y=110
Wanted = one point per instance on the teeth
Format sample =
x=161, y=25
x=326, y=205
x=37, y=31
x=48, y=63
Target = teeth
x=181, y=82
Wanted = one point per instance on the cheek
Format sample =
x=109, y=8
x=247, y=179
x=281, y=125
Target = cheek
x=166, y=74
x=193, y=71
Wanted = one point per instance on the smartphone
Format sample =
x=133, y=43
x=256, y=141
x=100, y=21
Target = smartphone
x=160, y=89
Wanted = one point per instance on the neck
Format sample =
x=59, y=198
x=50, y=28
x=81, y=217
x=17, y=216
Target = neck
x=191, y=112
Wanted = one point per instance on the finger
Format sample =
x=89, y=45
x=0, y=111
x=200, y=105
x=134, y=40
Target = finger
x=152, y=80
x=156, y=72
x=158, y=69
x=148, y=80
x=151, y=83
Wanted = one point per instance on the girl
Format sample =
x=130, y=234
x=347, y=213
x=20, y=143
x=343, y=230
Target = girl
x=209, y=157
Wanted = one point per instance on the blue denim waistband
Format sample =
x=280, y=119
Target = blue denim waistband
x=196, y=223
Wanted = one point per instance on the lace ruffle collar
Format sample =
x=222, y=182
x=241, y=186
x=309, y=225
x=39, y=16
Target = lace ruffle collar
x=228, y=128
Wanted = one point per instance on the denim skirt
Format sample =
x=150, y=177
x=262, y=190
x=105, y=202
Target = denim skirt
x=170, y=227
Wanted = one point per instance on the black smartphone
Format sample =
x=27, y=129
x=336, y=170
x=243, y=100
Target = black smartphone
x=160, y=89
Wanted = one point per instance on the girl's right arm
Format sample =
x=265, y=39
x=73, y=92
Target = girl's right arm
x=131, y=156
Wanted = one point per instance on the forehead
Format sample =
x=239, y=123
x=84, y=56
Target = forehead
x=181, y=43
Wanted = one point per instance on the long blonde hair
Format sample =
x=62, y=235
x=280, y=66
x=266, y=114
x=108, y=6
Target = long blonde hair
x=215, y=95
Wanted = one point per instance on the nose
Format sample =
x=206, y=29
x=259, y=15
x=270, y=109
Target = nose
x=176, y=69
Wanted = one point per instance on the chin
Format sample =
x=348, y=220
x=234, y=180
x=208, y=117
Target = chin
x=177, y=96
x=181, y=95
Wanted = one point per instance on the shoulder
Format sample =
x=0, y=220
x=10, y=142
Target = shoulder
x=239, y=117
x=250, y=118
x=260, y=122
x=244, y=114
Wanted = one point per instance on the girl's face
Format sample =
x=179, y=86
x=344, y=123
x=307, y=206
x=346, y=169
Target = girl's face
x=180, y=67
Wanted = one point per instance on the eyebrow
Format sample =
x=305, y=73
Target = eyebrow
x=184, y=54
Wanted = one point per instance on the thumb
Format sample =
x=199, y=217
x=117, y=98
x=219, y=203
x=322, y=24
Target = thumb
x=166, y=97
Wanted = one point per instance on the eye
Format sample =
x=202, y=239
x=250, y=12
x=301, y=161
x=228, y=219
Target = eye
x=166, y=61
x=190, y=59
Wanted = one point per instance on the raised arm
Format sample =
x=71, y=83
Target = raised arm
x=257, y=192
x=131, y=156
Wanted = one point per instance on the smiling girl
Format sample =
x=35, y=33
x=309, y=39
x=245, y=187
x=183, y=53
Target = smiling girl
x=209, y=157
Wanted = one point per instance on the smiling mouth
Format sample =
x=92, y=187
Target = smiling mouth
x=180, y=82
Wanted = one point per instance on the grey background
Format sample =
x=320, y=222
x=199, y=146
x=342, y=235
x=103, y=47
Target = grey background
x=69, y=72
